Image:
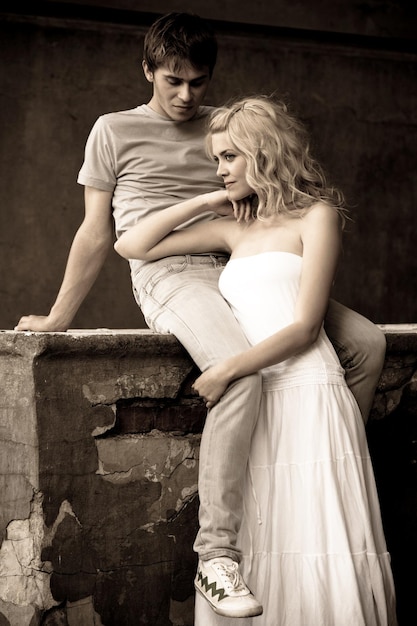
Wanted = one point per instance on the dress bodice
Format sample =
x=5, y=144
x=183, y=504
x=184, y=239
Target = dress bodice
x=262, y=291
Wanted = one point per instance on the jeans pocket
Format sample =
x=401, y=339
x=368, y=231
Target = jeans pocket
x=151, y=280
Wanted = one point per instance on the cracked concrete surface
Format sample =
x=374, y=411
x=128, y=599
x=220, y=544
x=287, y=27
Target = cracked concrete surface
x=24, y=577
x=103, y=505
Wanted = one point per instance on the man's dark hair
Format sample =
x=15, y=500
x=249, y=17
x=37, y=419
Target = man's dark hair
x=178, y=39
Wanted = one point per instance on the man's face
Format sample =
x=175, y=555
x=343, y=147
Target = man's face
x=177, y=94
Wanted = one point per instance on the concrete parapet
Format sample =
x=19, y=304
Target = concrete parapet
x=98, y=474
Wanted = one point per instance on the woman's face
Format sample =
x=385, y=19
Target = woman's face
x=231, y=166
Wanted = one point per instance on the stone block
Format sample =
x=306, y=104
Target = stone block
x=99, y=446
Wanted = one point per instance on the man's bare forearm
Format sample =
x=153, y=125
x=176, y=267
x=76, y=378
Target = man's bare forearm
x=84, y=264
x=85, y=260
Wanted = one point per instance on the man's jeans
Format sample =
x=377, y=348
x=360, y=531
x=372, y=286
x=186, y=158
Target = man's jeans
x=180, y=295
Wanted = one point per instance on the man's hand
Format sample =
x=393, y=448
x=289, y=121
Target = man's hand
x=38, y=323
x=212, y=384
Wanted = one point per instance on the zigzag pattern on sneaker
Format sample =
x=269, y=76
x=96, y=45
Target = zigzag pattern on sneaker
x=221, y=584
x=203, y=580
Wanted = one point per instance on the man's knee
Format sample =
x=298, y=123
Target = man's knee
x=375, y=350
x=379, y=342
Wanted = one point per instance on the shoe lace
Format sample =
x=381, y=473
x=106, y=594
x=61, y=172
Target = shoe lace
x=231, y=576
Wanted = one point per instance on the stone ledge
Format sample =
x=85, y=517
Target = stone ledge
x=88, y=341
x=99, y=441
x=398, y=335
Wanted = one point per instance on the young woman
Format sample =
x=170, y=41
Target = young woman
x=312, y=541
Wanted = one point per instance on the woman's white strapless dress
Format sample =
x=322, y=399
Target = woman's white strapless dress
x=313, y=547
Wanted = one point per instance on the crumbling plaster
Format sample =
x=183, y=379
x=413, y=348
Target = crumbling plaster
x=99, y=456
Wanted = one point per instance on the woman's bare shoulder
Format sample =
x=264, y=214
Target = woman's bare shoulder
x=321, y=213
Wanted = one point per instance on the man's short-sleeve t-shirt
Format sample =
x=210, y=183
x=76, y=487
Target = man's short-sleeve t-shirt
x=148, y=161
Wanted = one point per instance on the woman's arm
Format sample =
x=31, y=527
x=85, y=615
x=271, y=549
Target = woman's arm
x=153, y=237
x=321, y=237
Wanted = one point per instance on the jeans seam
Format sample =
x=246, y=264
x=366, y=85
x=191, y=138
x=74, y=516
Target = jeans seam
x=164, y=308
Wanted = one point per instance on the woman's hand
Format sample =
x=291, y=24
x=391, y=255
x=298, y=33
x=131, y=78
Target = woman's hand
x=220, y=203
x=242, y=209
x=212, y=384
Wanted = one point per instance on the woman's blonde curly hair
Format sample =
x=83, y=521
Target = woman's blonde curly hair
x=280, y=169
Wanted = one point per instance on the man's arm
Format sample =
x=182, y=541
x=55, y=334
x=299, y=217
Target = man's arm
x=88, y=252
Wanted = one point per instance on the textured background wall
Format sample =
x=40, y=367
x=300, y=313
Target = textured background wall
x=348, y=69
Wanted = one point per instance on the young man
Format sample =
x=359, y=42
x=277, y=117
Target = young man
x=146, y=159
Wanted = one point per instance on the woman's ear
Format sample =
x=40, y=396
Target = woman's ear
x=147, y=72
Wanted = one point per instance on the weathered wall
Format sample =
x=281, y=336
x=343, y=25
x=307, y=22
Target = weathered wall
x=349, y=70
x=99, y=451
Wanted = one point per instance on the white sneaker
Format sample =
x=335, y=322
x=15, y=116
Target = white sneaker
x=220, y=583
